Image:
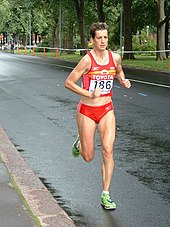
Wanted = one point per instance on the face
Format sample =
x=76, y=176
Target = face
x=100, y=40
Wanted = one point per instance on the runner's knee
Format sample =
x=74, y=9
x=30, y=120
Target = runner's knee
x=88, y=156
x=107, y=153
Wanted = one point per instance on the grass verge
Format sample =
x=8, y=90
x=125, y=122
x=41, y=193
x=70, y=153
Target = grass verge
x=148, y=62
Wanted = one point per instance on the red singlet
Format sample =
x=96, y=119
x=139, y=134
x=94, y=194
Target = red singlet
x=100, y=76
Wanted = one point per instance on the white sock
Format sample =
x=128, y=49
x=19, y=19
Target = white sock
x=106, y=192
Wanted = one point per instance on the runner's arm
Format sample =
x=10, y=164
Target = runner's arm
x=119, y=72
x=71, y=82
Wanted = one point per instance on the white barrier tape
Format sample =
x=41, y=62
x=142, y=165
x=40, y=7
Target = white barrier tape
x=62, y=49
x=54, y=48
x=145, y=51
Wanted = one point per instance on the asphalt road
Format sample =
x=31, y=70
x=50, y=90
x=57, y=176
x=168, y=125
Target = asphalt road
x=38, y=114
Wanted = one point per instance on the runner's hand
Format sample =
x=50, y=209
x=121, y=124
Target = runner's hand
x=126, y=83
x=96, y=93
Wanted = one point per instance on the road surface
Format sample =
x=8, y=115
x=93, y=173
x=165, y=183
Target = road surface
x=38, y=114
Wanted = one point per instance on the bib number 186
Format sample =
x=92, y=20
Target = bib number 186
x=105, y=85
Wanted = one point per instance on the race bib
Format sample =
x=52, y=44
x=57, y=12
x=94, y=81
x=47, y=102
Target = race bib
x=104, y=81
x=105, y=85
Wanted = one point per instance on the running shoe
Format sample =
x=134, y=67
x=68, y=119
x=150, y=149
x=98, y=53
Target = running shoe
x=75, y=148
x=107, y=203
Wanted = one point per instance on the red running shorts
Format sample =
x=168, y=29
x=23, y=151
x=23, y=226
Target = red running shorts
x=95, y=112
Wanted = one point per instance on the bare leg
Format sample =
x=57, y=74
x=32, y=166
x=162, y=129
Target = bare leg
x=107, y=135
x=86, y=129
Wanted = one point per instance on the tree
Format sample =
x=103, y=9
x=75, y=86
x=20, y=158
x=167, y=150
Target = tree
x=50, y=11
x=167, y=36
x=161, y=55
x=161, y=31
x=100, y=12
x=74, y=27
x=143, y=14
x=79, y=6
x=69, y=26
x=127, y=4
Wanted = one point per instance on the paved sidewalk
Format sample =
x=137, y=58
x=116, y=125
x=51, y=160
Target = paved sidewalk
x=12, y=210
x=42, y=204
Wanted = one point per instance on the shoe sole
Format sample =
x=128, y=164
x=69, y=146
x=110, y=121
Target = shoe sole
x=108, y=208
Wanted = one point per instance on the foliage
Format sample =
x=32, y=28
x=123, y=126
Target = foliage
x=45, y=43
x=142, y=42
x=56, y=19
x=143, y=14
x=148, y=47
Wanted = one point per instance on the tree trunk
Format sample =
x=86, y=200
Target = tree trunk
x=79, y=6
x=128, y=29
x=25, y=39
x=161, y=55
x=54, y=35
x=70, y=37
x=167, y=37
x=100, y=12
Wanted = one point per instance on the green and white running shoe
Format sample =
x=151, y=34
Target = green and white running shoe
x=75, y=148
x=107, y=203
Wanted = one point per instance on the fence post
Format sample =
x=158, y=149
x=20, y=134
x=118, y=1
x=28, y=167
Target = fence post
x=44, y=53
x=25, y=50
x=56, y=53
x=34, y=51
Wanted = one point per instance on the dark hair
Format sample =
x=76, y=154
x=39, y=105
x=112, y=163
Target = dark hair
x=97, y=27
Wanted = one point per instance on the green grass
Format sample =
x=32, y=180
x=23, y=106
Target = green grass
x=148, y=62
x=144, y=62
x=140, y=61
x=70, y=57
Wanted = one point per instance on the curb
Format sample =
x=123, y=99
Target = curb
x=39, y=200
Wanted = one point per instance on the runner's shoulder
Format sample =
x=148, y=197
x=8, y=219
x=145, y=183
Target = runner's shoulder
x=85, y=62
x=116, y=57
